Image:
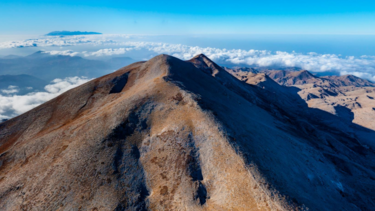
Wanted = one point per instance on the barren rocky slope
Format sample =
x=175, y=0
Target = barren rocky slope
x=349, y=97
x=168, y=134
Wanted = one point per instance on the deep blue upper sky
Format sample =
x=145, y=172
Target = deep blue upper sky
x=189, y=17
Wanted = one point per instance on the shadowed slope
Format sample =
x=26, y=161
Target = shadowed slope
x=168, y=134
x=328, y=93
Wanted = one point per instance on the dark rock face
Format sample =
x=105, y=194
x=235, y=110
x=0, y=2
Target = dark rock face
x=311, y=96
x=344, y=113
x=119, y=83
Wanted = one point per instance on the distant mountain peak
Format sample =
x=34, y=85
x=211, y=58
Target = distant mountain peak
x=304, y=75
x=351, y=77
x=71, y=33
x=350, y=80
x=305, y=72
x=38, y=54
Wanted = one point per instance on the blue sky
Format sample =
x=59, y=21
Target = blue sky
x=189, y=17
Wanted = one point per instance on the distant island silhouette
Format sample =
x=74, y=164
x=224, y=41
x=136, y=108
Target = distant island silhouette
x=70, y=33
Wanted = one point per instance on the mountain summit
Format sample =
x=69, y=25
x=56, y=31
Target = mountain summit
x=168, y=134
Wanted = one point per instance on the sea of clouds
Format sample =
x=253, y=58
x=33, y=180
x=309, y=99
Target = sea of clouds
x=363, y=66
x=12, y=104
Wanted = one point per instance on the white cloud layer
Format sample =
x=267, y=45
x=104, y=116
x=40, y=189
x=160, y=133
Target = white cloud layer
x=12, y=105
x=108, y=52
x=50, y=41
x=10, y=90
x=63, y=53
x=363, y=66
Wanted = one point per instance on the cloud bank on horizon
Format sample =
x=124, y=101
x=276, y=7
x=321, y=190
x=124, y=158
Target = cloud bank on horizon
x=12, y=105
x=363, y=66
